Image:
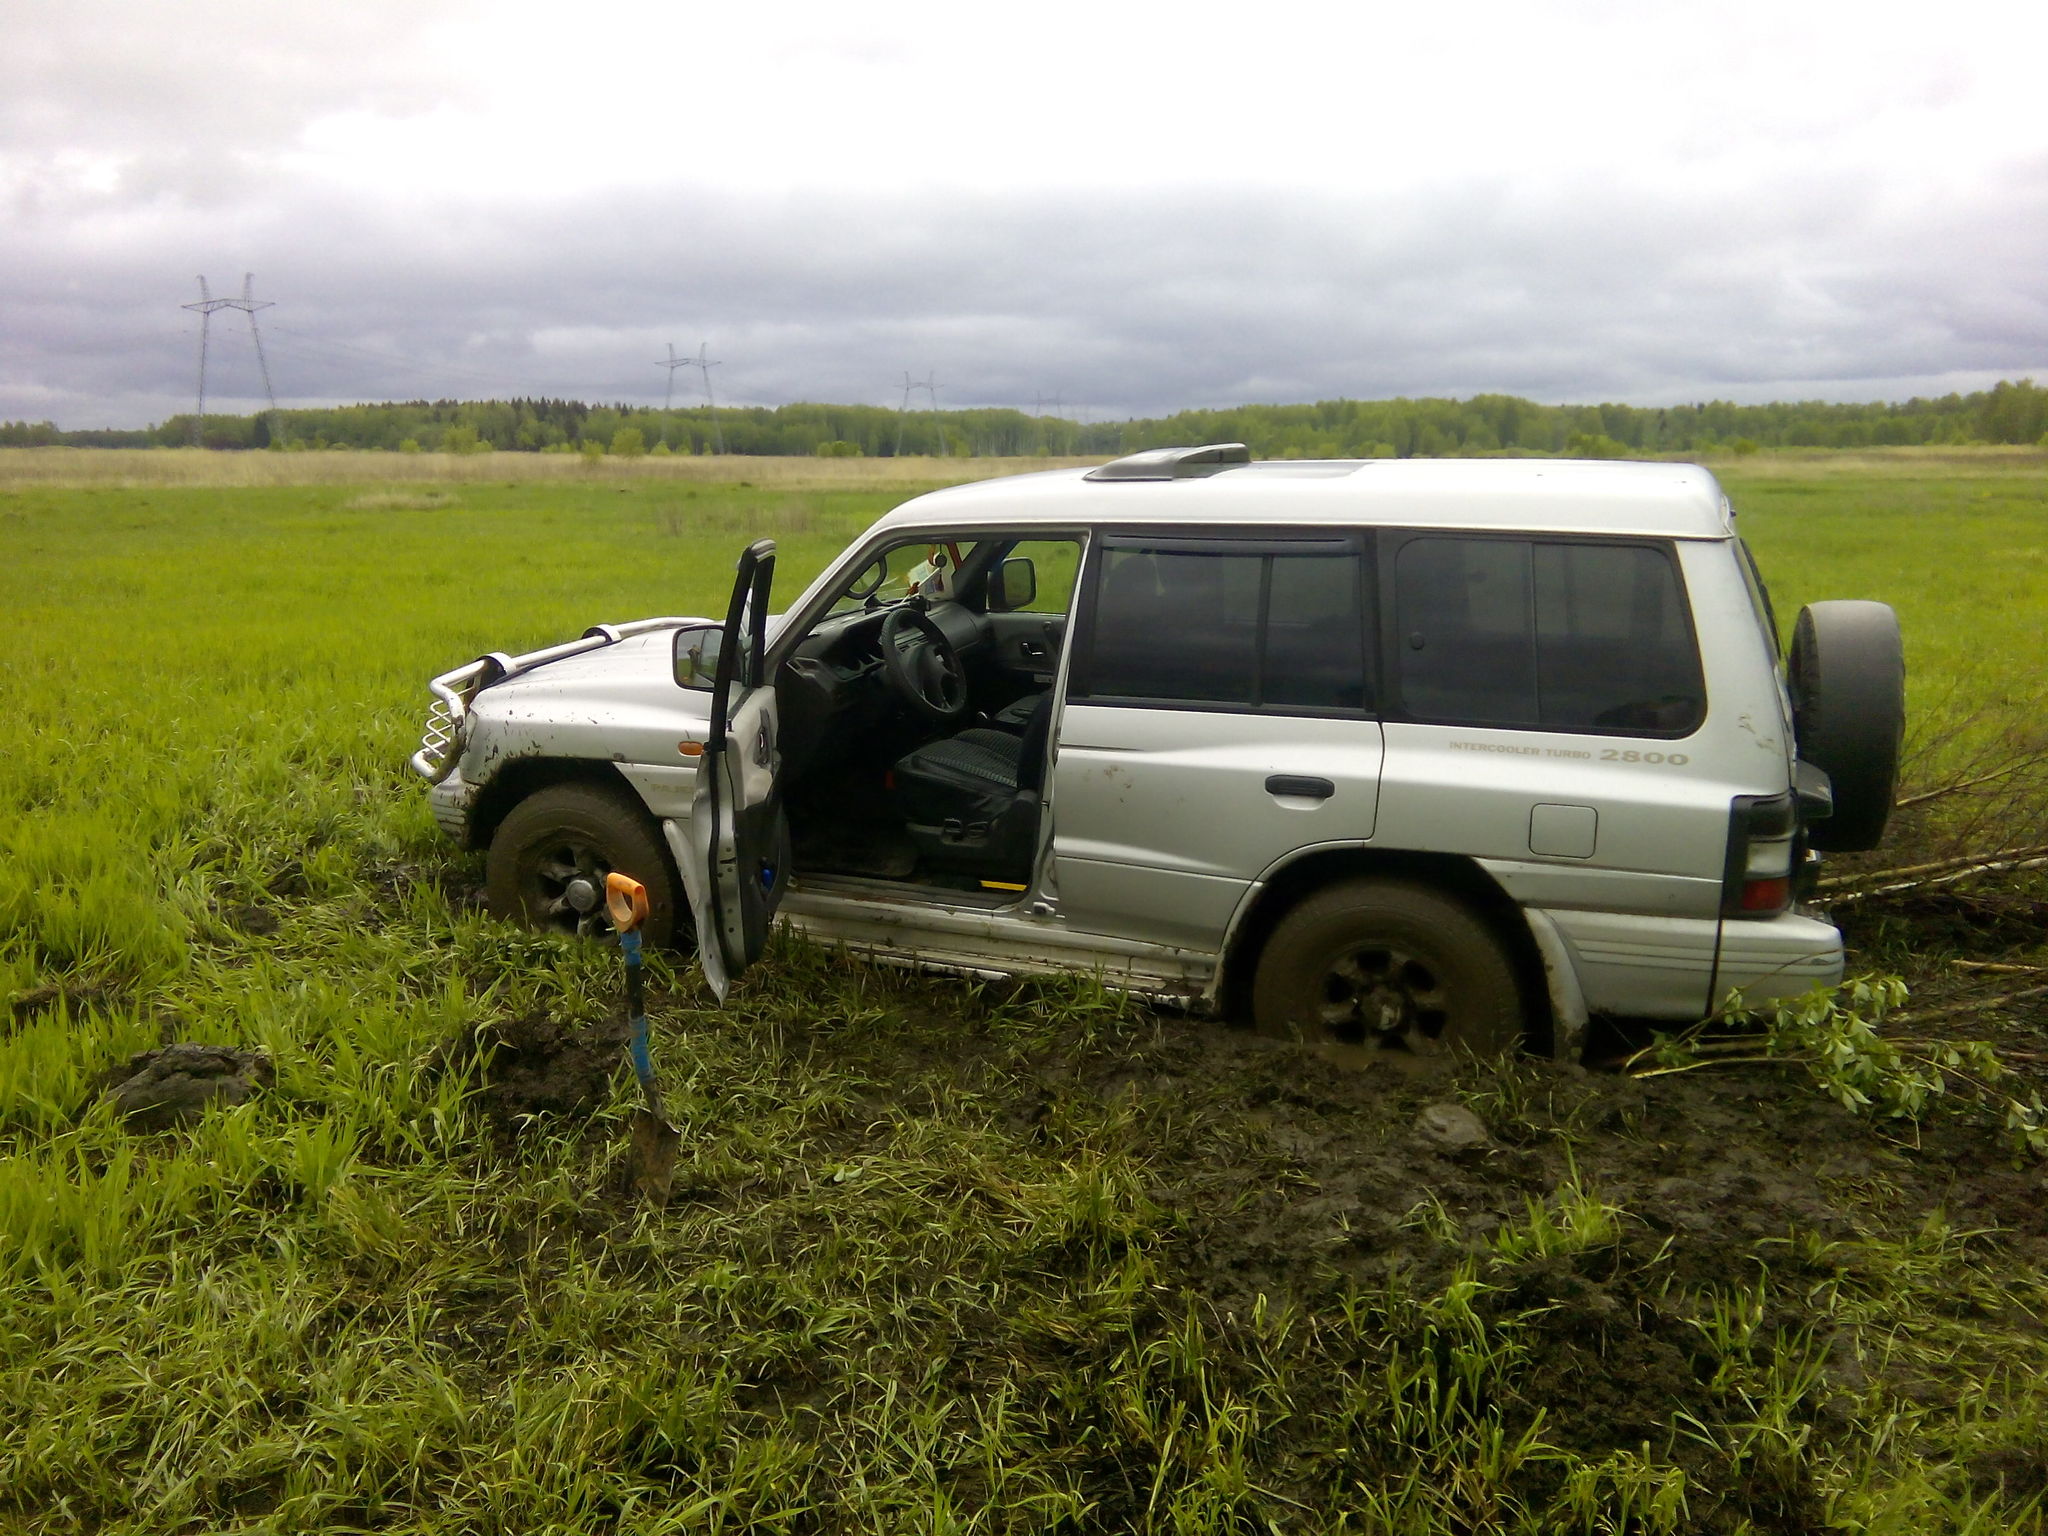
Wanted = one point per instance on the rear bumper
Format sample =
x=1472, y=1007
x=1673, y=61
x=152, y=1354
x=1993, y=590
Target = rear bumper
x=1782, y=958
x=1682, y=968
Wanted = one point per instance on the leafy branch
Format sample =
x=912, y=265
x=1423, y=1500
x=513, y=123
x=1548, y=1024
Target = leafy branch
x=1835, y=1035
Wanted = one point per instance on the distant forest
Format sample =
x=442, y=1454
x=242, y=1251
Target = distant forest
x=1484, y=424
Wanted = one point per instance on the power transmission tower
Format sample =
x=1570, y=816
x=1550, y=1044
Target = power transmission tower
x=248, y=304
x=1038, y=405
x=903, y=415
x=668, y=400
x=931, y=387
x=704, y=366
x=930, y=384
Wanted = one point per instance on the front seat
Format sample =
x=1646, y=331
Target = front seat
x=970, y=802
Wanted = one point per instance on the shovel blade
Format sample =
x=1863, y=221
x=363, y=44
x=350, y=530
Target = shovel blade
x=652, y=1158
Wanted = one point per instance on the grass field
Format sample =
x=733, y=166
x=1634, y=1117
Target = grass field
x=946, y=1258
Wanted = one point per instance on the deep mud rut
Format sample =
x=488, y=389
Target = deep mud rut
x=1711, y=1170
x=1296, y=1178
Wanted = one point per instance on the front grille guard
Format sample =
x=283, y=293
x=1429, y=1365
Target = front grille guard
x=441, y=743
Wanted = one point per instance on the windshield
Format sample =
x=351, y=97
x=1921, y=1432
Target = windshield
x=920, y=567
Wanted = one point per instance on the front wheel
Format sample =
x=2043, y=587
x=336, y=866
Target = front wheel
x=1391, y=964
x=550, y=855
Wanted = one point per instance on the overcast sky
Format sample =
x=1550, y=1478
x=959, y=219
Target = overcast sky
x=1132, y=209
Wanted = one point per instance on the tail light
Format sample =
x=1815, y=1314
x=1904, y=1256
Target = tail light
x=1757, y=879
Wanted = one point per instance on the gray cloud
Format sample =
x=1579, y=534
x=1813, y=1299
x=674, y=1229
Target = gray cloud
x=1803, y=275
x=202, y=79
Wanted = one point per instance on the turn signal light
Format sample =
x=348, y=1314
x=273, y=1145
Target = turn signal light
x=1757, y=879
x=1773, y=895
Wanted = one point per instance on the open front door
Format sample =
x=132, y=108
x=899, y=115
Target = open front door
x=736, y=862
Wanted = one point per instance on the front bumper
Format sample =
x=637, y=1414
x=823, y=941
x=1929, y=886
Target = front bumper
x=451, y=801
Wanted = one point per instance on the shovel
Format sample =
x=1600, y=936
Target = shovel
x=652, y=1160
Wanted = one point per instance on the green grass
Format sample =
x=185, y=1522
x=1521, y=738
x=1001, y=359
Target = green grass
x=1963, y=558
x=944, y=1258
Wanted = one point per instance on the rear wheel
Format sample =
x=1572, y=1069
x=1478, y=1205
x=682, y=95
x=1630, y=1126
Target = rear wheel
x=1389, y=964
x=548, y=861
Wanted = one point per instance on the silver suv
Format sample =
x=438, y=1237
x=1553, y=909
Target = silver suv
x=1408, y=754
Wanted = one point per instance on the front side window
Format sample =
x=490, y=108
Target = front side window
x=1552, y=635
x=1055, y=564
x=1267, y=625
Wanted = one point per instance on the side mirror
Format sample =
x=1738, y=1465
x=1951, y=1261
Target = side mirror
x=696, y=654
x=1016, y=584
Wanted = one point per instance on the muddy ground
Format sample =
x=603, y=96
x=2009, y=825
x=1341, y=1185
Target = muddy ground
x=1285, y=1174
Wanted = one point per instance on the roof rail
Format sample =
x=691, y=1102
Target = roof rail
x=1173, y=463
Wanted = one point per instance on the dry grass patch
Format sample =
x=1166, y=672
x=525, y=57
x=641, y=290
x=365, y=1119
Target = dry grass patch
x=147, y=468
x=1920, y=463
x=402, y=501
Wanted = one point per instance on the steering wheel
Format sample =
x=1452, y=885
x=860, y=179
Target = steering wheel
x=922, y=665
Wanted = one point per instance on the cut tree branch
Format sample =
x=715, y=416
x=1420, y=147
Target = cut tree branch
x=1992, y=866
x=1982, y=1005
x=1940, y=790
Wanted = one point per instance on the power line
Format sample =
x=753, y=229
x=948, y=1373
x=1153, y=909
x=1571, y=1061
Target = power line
x=347, y=351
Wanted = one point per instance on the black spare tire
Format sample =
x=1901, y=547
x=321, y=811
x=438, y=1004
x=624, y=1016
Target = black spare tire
x=1847, y=674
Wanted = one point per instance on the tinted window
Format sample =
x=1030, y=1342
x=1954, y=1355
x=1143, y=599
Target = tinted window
x=1314, y=630
x=1462, y=609
x=1261, y=629
x=1176, y=626
x=1578, y=636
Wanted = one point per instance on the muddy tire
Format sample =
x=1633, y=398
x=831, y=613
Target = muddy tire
x=1392, y=964
x=1847, y=674
x=548, y=861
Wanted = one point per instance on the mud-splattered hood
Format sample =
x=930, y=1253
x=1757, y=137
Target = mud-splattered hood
x=619, y=703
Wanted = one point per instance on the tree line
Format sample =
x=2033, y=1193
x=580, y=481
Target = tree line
x=2012, y=413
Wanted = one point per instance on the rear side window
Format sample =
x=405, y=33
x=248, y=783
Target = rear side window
x=1760, y=600
x=1549, y=635
x=1274, y=625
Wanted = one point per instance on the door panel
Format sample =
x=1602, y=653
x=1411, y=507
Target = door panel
x=1164, y=817
x=735, y=861
x=1027, y=645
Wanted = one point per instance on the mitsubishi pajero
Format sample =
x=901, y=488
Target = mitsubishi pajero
x=1421, y=754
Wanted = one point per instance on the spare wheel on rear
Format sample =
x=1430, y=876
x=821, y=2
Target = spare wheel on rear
x=1847, y=673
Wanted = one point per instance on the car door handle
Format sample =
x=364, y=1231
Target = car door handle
x=1299, y=784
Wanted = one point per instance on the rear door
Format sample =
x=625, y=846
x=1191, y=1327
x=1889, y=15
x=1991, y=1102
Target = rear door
x=735, y=864
x=1219, y=716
